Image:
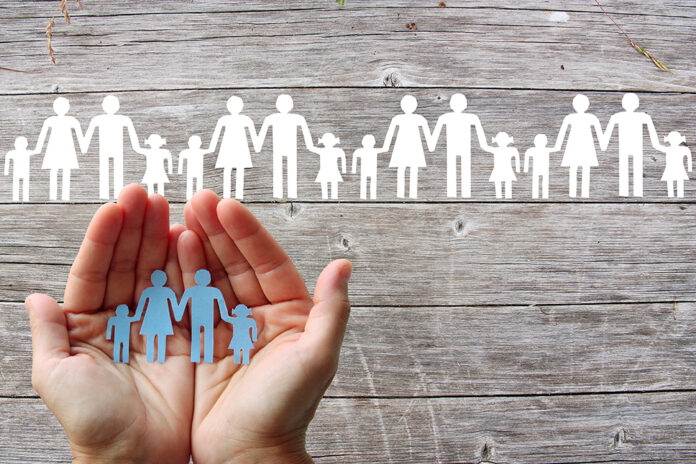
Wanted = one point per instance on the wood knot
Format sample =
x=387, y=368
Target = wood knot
x=620, y=437
x=486, y=452
x=392, y=79
x=345, y=242
x=292, y=210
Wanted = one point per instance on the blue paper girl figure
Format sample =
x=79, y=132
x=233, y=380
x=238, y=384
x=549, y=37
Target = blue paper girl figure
x=244, y=333
x=120, y=326
x=157, y=321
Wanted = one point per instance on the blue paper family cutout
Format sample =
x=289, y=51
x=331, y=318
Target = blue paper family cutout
x=154, y=309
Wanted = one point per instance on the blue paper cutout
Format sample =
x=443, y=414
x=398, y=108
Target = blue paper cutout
x=157, y=322
x=120, y=326
x=242, y=323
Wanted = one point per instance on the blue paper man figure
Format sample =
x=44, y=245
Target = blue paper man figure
x=120, y=325
x=242, y=323
x=157, y=321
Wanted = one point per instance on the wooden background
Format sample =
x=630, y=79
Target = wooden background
x=516, y=331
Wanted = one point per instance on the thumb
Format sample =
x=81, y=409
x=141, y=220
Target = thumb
x=49, y=335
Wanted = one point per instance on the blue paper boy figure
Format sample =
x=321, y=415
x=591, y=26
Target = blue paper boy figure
x=242, y=323
x=120, y=325
x=157, y=321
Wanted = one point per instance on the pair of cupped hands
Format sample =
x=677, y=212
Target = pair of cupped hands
x=150, y=412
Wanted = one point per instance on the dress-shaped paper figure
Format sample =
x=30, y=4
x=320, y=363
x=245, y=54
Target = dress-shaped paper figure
x=408, y=147
x=111, y=127
x=20, y=158
x=234, y=148
x=60, y=149
x=630, y=123
x=502, y=167
x=155, y=174
x=244, y=333
x=203, y=300
x=119, y=325
x=674, y=163
x=285, y=125
x=368, y=166
x=157, y=322
x=580, y=152
x=193, y=156
x=328, y=165
x=539, y=154
x=458, y=125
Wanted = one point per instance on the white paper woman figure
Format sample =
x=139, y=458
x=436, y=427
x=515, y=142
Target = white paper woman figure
x=580, y=149
x=155, y=175
x=368, y=166
x=20, y=157
x=60, y=150
x=328, y=165
x=539, y=154
x=234, y=148
x=408, y=147
x=193, y=156
x=674, y=163
x=502, y=167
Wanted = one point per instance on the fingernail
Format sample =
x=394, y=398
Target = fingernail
x=345, y=274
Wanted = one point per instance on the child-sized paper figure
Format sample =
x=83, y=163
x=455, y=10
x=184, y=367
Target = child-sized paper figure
x=329, y=174
x=157, y=322
x=674, y=163
x=539, y=154
x=193, y=156
x=244, y=333
x=155, y=174
x=368, y=166
x=502, y=167
x=21, y=166
x=120, y=326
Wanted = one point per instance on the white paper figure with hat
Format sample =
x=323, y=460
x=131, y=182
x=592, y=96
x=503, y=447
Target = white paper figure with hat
x=155, y=174
x=502, y=167
x=193, y=156
x=21, y=166
x=539, y=154
x=244, y=333
x=675, y=153
x=329, y=155
x=60, y=149
x=368, y=166
x=111, y=127
x=408, y=146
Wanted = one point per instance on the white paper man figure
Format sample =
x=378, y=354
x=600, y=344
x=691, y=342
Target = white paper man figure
x=502, y=167
x=539, y=154
x=119, y=325
x=580, y=149
x=60, y=150
x=193, y=156
x=110, y=126
x=630, y=124
x=368, y=166
x=285, y=125
x=458, y=125
x=155, y=175
x=408, y=147
x=674, y=163
x=20, y=158
x=234, y=148
x=328, y=165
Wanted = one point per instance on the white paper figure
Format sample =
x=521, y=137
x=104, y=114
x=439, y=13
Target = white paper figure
x=155, y=174
x=502, y=167
x=580, y=149
x=60, y=150
x=368, y=166
x=193, y=156
x=408, y=147
x=234, y=148
x=630, y=123
x=111, y=126
x=458, y=125
x=674, y=163
x=328, y=165
x=285, y=125
x=539, y=154
x=21, y=166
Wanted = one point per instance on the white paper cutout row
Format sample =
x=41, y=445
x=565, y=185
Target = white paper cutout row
x=407, y=131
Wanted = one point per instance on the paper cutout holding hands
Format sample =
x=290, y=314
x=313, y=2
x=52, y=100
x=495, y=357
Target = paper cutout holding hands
x=157, y=322
x=155, y=175
x=193, y=156
x=244, y=333
x=119, y=325
x=502, y=169
x=20, y=158
x=674, y=163
x=368, y=166
x=328, y=167
x=540, y=171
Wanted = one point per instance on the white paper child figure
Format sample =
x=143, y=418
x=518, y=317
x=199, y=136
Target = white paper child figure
x=368, y=166
x=193, y=156
x=580, y=152
x=155, y=174
x=21, y=166
x=328, y=165
x=234, y=148
x=60, y=150
x=119, y=325
x=502, y=167
x=244, y=333
x=674, y=163
x=539, y=154
x=408, y=147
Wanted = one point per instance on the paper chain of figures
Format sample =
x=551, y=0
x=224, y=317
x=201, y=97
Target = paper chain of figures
x=407, y=131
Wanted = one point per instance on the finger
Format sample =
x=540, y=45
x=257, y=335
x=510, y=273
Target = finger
x=191, y=256
x=86, y=285
x=153, y=242
x=244, y=283
x=49, y=336
x=172, y=268
x=276, y=274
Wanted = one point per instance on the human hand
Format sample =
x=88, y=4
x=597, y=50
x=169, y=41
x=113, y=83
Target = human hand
x=136, y=412
x=260, y=412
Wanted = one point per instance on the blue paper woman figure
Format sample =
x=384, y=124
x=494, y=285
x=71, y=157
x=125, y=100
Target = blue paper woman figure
x=157, y=321
x=244, y=333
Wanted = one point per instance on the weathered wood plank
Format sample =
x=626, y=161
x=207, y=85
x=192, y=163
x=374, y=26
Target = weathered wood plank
x=564, y=429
